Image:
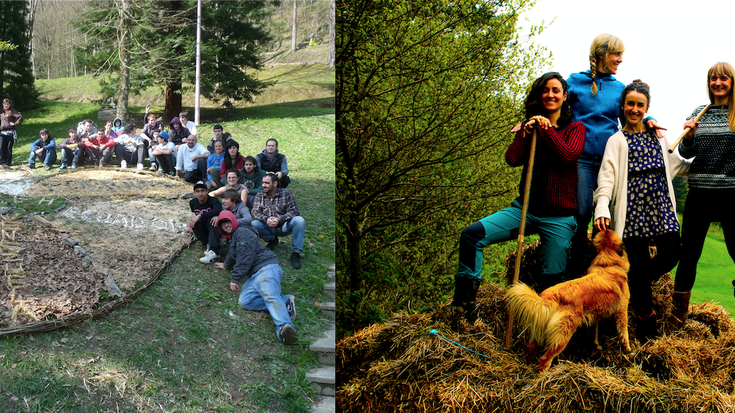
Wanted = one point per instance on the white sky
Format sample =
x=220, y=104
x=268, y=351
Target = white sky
x=668, y=44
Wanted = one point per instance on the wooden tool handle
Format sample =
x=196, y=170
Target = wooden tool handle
x=683, y=134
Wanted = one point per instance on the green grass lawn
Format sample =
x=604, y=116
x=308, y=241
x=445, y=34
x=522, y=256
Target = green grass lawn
x=715, y=272
x=183, y=345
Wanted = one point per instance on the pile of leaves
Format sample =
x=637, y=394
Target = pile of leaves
x=438, y=362
x=75, y=264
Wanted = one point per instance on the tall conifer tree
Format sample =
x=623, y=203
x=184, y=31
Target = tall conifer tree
x=16, y=73
x=162, y=48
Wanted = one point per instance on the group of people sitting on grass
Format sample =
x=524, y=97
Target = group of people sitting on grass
x=254, y=202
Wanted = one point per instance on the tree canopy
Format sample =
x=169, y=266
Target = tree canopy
x=162, y=46
x=16, y=74
x=427, y=93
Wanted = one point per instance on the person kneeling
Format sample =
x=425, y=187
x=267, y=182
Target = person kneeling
x=247, y=257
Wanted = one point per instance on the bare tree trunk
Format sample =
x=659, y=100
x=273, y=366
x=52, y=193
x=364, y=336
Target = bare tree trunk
x=293, y=29
x=173, y=101
x=123, y=89
x=332, y=17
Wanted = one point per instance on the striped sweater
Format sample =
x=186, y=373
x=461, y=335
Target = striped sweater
x=713, y=149
x=554, y=181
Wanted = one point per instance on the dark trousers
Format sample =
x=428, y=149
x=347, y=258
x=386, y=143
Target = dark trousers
x=166, y=162
x=99, y=156
x=207, y=234
x=703, y=207
x=74, y=154
x=644, y=270
x=130, y=157
x=197, y=174
x=7, y=140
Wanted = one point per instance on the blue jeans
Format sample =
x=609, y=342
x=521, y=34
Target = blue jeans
x=555, y=233
x=588, y=167
x=69, y=153
x=262, y=291
x=296, y=226
x=47, y=156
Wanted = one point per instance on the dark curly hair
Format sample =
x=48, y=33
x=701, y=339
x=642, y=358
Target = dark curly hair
x=534, y=105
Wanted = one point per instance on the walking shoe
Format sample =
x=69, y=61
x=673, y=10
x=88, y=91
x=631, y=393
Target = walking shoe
x=62, y=166
x=295, y=260
x=32, y=166
x=271, y=245
x=209, y=257
x=46, y=167
x=291, y=307
x=154, y=166
x=288, y=334
x=123, y=164
x=74, y=166
x=140, y=166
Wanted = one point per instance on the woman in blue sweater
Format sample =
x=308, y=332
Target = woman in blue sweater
x=594, y=97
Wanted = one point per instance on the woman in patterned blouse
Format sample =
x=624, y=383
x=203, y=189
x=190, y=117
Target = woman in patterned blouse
x=635, y=197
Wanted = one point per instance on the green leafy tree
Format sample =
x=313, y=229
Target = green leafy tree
x=427, y=95
x=16, y=73
x=161, y=47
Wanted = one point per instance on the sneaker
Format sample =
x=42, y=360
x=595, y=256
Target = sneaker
x=154, y=167
x=32, y=166
x=123, y=164
x=288, y=334
x=74, y=166
x=291, y=307
x=271, y=245
x=62, y=166
x=46, y=167
x=140, y=166
x=295, y=260
x=209, y=257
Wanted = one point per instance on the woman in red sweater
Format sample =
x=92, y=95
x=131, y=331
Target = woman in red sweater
x=553, y=196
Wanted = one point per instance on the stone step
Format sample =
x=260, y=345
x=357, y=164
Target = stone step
x=331, y=273
x=329, y=289
x=323, y=348
x=325, y=404
x=329, y=309
x=322, y=380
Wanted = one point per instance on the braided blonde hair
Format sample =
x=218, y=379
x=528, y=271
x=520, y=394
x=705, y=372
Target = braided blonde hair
x=603, y=45
x=723, y=68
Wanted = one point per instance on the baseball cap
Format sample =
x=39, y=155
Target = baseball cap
x=164, y=135
x=200, y=184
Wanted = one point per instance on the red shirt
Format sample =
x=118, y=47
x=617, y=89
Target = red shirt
x=554, y=182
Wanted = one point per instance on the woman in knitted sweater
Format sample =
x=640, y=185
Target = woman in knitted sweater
x=553, y=197
x=711, y=142
x=635, y=197
x=594, y=100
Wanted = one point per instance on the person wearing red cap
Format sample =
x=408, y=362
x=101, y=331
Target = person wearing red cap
x=251, y=260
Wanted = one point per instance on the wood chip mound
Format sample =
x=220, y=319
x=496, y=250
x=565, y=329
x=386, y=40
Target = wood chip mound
x=109, y=182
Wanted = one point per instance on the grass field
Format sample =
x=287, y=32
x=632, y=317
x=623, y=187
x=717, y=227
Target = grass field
x=184, y=345
x=715, y=272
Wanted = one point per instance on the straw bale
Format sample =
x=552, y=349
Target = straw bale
x=400, y=366
x=715, y=317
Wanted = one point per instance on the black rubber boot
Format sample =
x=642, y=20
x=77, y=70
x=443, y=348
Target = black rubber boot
x=461, y=291
x=645, y=328
x=470, y=308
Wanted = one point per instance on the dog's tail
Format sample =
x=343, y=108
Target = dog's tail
x=530, y=310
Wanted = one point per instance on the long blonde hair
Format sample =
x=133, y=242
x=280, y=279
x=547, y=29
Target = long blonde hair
x=724, y=68
x=603, y=45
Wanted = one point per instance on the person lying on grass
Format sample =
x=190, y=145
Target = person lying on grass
x=248, y=258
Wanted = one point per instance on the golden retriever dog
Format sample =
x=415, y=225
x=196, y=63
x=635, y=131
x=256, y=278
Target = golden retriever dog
x=552, y=316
